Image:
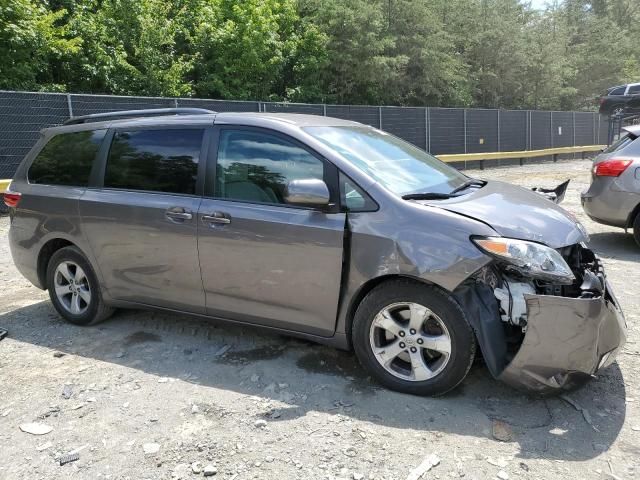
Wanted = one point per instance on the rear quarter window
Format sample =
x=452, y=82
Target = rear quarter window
x=67, y=159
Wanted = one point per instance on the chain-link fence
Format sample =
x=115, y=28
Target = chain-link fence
x=438, y=130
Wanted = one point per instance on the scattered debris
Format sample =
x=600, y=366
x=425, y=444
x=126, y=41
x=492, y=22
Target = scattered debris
x=163, y=380
x=357, y=476
x=151, y=448
x=558, y=431
x=635, y=428
x=269, y=459
x=68, y=458
x=224, y=349
x=91, y=399
x=260, y=423
x=195, y=409
x=35, y=428
x=501, y=462
x=427, y=464
x=67, y=391
x=58, y=354
x=44, y=446
x=524, y=466
x=584, y=411
x=6, y=412
x=210, y=470
x=502, y=475
x=3, y=333
x=350, y=452
x=78, y=406
x=196, y=468
x=501, y=431
x=255, y=377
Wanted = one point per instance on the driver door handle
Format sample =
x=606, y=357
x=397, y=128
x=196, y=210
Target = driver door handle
x=219, y=218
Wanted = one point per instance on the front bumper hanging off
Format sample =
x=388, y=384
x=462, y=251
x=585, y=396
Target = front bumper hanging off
x=567, y=339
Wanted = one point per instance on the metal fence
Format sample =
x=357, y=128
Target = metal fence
x=438, y=130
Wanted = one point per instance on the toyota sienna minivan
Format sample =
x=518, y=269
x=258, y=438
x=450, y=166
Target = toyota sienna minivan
x=316, y=227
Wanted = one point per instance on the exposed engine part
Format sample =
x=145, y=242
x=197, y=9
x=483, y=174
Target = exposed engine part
x=513, y=307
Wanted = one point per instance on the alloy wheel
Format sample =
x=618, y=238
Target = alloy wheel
x=72, y=287
x=410, y=341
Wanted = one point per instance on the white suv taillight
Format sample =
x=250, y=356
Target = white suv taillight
x=611, y=168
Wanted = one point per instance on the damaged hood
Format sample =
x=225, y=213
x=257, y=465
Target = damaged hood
x=516, y=212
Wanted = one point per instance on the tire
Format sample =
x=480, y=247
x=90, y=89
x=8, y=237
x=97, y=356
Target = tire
x=69, y=270
x=636, y=228
x=396, y=299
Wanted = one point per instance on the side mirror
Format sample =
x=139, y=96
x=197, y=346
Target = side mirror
x=309, y=192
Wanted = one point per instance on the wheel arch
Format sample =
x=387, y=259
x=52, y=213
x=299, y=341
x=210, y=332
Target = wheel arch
x=364, y=289
x=46, y=252
x=632, y=216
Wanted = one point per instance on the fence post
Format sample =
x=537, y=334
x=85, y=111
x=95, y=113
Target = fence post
x=429, y=129
x=264, y=107
x=593, y=129
x=551, y=127
x=69, y=105
x=499, y=133
x=175, y=102
x=324, y=109
x=380, y=118
x=530, y=129
x=464, y=113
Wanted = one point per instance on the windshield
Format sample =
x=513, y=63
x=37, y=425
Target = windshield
x=396, y=164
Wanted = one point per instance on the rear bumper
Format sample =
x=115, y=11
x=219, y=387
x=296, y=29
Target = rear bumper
x=608, y=206
x=567, y=340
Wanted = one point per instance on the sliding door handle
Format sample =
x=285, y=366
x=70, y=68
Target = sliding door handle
x=219, y=218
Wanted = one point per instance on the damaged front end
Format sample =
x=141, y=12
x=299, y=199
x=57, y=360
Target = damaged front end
x=545, y=333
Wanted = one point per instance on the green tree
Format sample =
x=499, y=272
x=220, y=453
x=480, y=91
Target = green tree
x=31, y=40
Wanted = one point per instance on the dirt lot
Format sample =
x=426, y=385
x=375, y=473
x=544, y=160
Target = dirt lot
x=149, y=394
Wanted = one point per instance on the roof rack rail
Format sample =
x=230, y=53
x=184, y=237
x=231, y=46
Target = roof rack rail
x=151, y=112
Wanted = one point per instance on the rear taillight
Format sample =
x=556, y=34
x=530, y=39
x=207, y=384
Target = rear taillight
x=611, y=168
x=11, y=199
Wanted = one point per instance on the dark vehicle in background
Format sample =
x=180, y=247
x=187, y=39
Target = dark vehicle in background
x=621, y=99
x=317, y=227
x=613, y=198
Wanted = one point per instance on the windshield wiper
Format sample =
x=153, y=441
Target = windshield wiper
x=469, y=183
x=427, y=196
x=443, y=196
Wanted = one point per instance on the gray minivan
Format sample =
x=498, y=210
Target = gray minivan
x=316, y=227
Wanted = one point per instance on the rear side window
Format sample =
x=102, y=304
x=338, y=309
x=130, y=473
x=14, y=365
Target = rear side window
x=618, y=91
x=634, y=89
x=67, y=159
x=155, y=160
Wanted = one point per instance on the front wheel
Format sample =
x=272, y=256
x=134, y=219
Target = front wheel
x=413, y=338
x=73, y=288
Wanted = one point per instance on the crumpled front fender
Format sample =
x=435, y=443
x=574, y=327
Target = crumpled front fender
x=567, y=339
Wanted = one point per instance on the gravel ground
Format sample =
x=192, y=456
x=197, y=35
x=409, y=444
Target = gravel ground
x=151, y=394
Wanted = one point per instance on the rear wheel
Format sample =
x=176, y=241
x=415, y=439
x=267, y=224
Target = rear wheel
x=73, y=288
x=636, y=229
x=413, y=338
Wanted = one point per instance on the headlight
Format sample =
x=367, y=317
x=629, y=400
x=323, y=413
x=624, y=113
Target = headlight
x=533, y=259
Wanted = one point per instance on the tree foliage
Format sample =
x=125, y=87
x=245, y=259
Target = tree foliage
x=488, y=53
